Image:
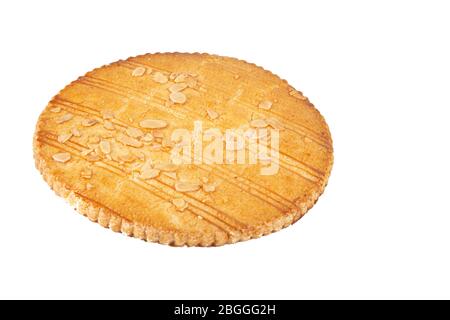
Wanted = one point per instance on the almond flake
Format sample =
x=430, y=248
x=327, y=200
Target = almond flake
x=160, y=77
x=107, y=135
x=209, y=187
x=107, y=114
x=62, y=138
x=86, y=152
x=181, y=77
x=148, y=137
x=265, y=105
x=168, y=104
x=76, y=132
x=86, y=173
x=177, y=97
x=180, y=204
x=88, y=122
x=55, y=109
x=156, y=147
x=93, y=140
x=166, y=143
x=172, y=175
x=115, y=157
x=64, y=118
x=134, y=132
x=158, y=134
x=149, y=173
x=153, y=124
x=135, y=166
x=108, y=125
x=212, y=114
x=258, y=123
x=128, y=141
x=176, y=87
x=92, y=157
x=296, y=94
x=138, y=72
x=105, y=147
x=191, y=83
x=127, y=157
x=183, y=186
x=89, y=186
x=139, y=155
x=61, y=157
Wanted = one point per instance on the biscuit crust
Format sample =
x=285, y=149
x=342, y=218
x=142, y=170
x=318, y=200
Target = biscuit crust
x=94, y=139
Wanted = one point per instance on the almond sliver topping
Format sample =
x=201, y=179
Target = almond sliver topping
x=105, y=147
x=128, y=157
x=107, y=114
x=62, y=138
x=92, y=157
x=153, y=124
x=64, y=118
x=209, y=187
x=212, y=114
x=181, y=77
x=88, y=122
x=182, y=186
x=86, y=152
x=180, y=204
x=108, y=125
x=76, y=132
x=177, y=97
x=172, y=175
x=139, y=155
x=61, y=157
x=55, y=109
x=147, y=138
x=134, y=132
x=160, y=77
x=86, y=173
x=138, y=72
x=177, y=87
x=294, y=93
x=148, y=173
x=258, y=123
x=93, y=139
x=191, y=83
x=128, y=141
x=266, y=105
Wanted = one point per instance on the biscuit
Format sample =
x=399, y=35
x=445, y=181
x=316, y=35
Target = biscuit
x=107, y=144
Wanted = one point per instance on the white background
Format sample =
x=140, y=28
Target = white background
x=379, y=71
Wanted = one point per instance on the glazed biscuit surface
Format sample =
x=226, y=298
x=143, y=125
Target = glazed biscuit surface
x=141, y=147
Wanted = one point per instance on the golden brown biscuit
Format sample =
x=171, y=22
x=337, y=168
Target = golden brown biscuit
x=105, y=144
